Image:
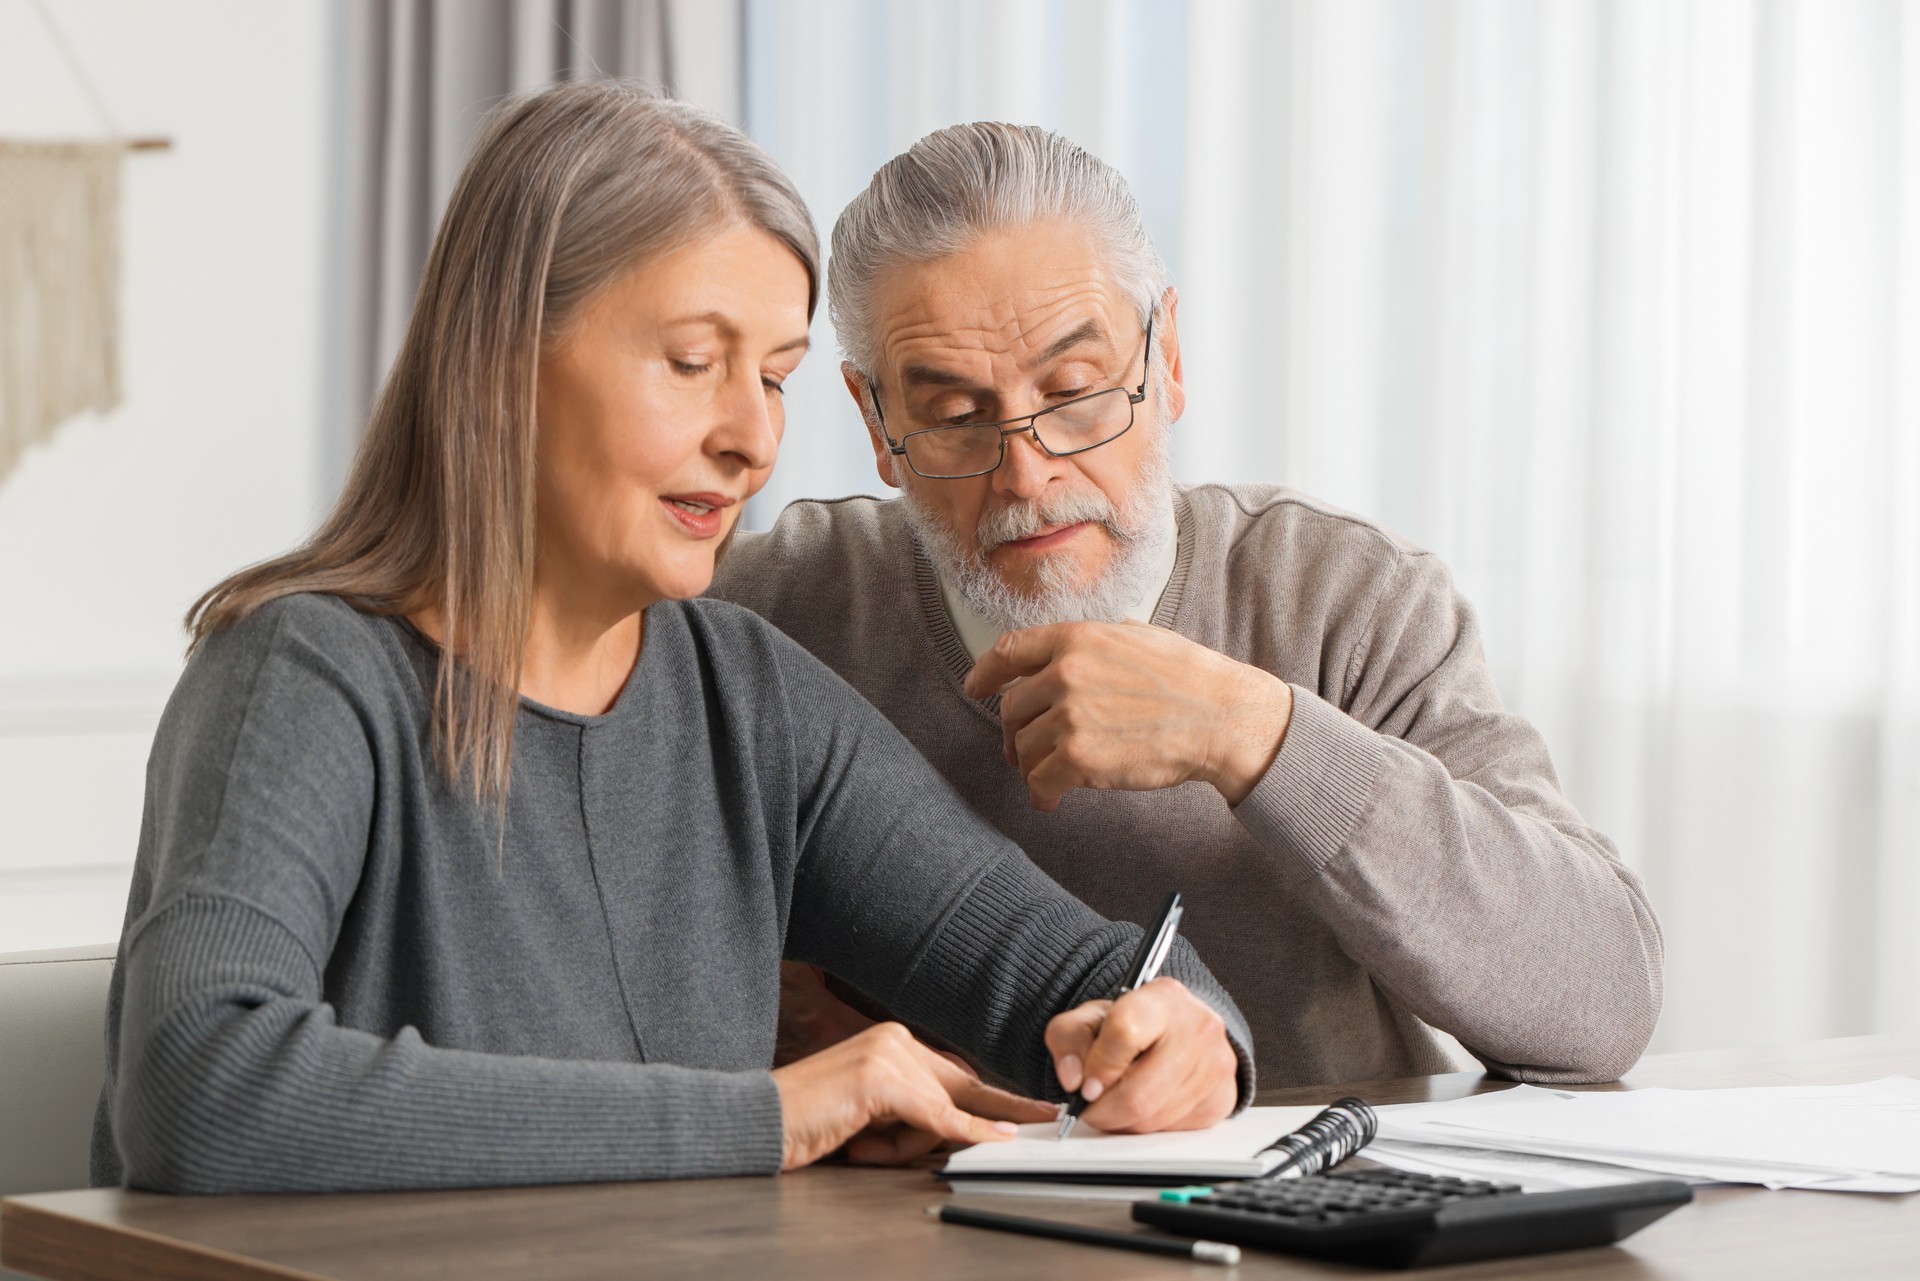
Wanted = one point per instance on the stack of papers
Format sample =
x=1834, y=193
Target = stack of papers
x=1843, y=1138
x=1035, y=1162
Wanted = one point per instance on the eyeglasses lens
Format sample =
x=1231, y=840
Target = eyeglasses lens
x=971, y=450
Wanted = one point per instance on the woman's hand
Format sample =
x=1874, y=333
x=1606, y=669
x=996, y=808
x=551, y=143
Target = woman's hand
x=894, y=1098
x=1156, y=1059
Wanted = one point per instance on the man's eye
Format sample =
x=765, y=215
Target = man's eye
x=1068, y=393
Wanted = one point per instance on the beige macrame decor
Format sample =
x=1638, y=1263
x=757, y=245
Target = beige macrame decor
x=59, y=287
x=60, y=271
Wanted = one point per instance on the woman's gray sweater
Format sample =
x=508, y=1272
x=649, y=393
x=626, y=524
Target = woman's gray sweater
x=334, y=975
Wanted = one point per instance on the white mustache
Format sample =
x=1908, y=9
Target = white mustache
x=1024, y=520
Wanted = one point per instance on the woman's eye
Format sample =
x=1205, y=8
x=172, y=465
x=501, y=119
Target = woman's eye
x=689, y=367
x=774, y=385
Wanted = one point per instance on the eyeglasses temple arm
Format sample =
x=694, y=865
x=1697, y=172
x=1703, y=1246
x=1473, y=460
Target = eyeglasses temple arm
x=873, y=394
x=1146, y=363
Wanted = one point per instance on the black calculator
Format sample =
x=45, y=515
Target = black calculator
x=1395, y=1219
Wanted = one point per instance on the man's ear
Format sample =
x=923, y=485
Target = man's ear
x=1166, y=334
x=862, y=392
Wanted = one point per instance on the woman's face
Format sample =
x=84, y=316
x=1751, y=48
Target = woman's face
x=659, y=414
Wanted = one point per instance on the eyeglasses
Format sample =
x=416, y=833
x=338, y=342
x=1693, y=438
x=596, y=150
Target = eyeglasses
x=975, y=449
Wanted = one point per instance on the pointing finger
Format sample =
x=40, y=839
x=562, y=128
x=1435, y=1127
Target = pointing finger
x=996, y=1104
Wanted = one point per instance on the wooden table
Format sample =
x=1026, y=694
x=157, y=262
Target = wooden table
x=843, y=1223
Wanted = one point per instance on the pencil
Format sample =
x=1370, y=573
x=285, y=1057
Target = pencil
x=1204, y=1251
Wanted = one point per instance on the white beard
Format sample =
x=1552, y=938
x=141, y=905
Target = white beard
x=1140, y=529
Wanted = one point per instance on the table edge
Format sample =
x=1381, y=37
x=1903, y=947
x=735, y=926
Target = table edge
x=43, y=1225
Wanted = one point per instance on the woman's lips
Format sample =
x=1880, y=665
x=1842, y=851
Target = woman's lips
x=699, y=514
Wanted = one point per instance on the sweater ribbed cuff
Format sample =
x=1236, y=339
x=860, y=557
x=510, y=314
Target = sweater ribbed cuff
x=1011, y=925
x=1320, y=783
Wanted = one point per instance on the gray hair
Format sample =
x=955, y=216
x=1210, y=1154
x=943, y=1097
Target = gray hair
x=961, y=183
x=568, y=189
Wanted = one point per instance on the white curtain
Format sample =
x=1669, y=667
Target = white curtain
x=415, y=78
x=1614, y=305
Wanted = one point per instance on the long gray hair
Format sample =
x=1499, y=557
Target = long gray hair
x=568, y=189
x=961, y=183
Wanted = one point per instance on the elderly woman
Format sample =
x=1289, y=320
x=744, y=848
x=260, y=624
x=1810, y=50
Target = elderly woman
x=473, y=844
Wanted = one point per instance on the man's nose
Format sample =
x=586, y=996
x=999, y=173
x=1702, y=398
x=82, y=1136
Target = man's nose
x=1026, y=467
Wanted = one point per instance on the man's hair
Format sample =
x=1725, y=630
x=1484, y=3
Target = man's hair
x=964, y=182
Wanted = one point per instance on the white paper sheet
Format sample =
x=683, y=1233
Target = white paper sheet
x=1862, y=1137
x=1533, y=1171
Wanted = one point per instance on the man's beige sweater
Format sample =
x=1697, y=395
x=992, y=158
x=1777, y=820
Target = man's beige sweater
x=1407, y=863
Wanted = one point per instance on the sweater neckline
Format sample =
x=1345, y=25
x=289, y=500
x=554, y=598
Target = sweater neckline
x=431, y=650
x=952, y=651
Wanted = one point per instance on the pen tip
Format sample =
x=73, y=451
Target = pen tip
x=1066, y=1126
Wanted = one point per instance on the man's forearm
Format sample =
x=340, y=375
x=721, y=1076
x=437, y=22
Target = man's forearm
x=1525, y=938
x=811, y=1017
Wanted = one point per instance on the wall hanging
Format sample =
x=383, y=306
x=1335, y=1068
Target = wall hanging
x=60, y=273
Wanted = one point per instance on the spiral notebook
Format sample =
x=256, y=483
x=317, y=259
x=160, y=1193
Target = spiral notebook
x=1240, y=1147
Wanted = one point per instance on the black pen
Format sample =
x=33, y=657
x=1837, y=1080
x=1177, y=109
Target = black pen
x=1203, y=1251
x=1155, y=944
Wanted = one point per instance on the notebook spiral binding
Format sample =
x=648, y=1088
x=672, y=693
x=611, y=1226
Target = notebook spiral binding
x=1327, y=1140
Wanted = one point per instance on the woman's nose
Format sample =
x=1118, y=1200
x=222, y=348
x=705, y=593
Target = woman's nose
x=750, y=422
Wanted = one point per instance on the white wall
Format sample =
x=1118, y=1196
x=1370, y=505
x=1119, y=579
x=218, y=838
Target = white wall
x=111, y=530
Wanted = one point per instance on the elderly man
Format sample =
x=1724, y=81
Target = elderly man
x=1233, y=690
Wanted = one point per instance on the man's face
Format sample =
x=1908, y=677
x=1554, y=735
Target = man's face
x=1022, y=321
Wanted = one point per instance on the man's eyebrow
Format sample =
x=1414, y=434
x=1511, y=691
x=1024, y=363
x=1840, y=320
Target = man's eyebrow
x=1085, y=331
x=929, y=376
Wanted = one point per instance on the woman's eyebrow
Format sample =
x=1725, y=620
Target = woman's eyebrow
x=731, y=331
x=719, y=320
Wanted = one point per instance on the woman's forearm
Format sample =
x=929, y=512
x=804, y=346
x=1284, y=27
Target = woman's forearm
x=235, y=1078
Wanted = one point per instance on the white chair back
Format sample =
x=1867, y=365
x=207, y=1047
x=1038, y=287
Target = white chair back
x=52, y=1060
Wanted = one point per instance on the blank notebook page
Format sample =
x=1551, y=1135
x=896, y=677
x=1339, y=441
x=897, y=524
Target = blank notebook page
x=1232, y=1149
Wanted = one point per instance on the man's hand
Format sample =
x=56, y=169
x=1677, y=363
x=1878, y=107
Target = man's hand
x=811, y=1017
x=1131, y=708
x=894, y=1098
x=1156, y=1059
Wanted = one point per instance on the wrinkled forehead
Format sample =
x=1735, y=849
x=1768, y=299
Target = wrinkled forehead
x=1012, y=302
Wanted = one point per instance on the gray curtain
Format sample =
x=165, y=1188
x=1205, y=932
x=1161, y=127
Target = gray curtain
x=414, y=79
